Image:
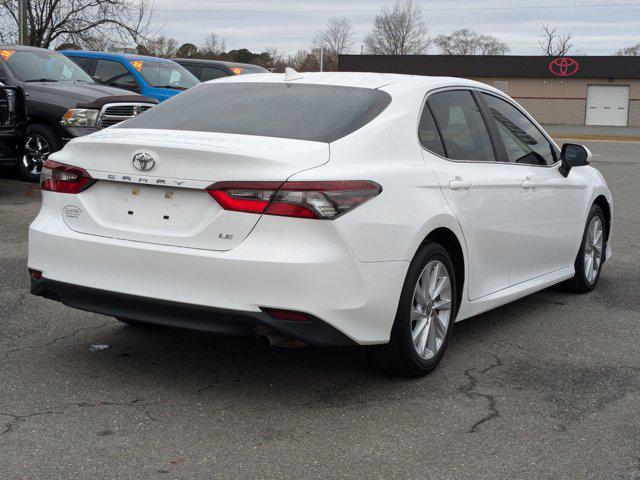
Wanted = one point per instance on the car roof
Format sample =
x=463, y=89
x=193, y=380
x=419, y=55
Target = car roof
x=125, y=56
x=205, y=61
x=386, y=81
x=26, y=48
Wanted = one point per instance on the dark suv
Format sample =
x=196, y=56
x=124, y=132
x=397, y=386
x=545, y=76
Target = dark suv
x=205, y=70
x=62, y=101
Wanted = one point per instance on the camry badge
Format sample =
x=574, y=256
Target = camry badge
x=143, y=161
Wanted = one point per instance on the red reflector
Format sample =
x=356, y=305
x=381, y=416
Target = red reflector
x=287, y=315
x=61, y=178
x=35, y=274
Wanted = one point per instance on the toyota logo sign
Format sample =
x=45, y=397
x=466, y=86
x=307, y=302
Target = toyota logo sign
x=563, y=67
x=143, y=161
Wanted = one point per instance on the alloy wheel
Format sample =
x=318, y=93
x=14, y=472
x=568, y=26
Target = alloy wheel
x=36, y=151
x=431, y=310
x=593, y=248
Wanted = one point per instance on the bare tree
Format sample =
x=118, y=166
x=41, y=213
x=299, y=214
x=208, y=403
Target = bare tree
x=303, y=61
x=399, y=31
x=468, y=42
x=161, y=46
x=50, y=22
x=633, y=51
x=335, y=39
x=277, y=61
x=213, y=45
x=554, y=44
x=275, y=53
x=8, y=27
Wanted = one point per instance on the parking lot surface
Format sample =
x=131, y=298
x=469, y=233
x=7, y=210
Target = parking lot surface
x=546, y=387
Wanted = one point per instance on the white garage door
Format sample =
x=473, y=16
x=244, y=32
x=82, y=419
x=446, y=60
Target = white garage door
x=607, y=105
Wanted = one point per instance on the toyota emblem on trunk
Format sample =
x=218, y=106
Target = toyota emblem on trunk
x=143, y=161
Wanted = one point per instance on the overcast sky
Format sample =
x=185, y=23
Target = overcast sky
x=599, y=26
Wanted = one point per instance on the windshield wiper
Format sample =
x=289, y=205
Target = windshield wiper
x=172, y=87
x=42, y=80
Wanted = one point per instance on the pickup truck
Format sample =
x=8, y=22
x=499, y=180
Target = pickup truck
x=63, y=102
x=158, y=78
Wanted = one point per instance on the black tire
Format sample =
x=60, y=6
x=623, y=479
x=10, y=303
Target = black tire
x=580, y=283
x=399, y=356
x=135, y=323
x=29, y=166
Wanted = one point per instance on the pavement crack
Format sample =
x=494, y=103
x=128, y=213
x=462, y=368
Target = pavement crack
x=470, y=391
x=15, y=418
x=136, y=403
x=211, y=371
x=57, y=339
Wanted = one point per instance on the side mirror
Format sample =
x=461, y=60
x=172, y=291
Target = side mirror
x=96, y=78
x=13, y=112
x=573, y=155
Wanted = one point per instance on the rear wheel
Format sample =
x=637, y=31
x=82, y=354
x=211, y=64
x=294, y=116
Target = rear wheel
x=40, y=142
x=425, y=316
x=591, y=255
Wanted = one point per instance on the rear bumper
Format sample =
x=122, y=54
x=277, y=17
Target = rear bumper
x=173, y=314
x=290, y=264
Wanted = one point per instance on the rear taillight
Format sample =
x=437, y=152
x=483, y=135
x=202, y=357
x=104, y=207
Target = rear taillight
x=318, y=200
x=61, y=178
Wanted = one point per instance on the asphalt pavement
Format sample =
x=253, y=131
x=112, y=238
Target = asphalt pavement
x=546, y=387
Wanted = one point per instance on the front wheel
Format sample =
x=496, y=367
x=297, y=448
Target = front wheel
x=425, y=316
x=591, y=255
x=41, y=140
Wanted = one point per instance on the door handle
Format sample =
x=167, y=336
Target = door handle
x=527, y=183
x=460, y=184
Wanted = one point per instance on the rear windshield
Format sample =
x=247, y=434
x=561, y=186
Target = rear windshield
x=319, y=113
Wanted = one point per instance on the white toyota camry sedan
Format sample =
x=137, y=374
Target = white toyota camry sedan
x=321, y=209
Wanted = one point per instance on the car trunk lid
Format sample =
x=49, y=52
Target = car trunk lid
x=163, y=200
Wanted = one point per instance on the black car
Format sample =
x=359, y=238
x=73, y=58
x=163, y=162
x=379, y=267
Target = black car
x=13, y=119
x=62, y=102
x=205, y=70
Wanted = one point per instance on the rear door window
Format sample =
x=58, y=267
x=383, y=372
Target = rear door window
x=522, y=140
x=320, y=113
x=428, y=133
x=192, y=67
x=461, y=126
x=210, y=73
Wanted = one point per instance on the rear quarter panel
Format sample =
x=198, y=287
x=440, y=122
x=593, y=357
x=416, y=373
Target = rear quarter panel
x=391, y=226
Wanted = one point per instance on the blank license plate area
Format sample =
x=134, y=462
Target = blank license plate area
x=151, y=209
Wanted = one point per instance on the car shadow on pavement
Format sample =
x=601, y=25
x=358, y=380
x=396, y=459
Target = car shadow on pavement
x=198, y=362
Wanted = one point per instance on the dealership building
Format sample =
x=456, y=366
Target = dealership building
x=577, y=90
